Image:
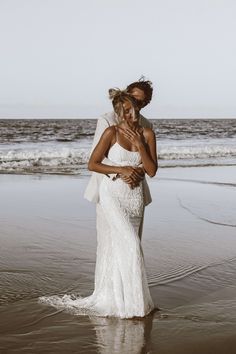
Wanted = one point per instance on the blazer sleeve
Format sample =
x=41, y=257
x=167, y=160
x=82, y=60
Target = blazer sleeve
x=102, y=124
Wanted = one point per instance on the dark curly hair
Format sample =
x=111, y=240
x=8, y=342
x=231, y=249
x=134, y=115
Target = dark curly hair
x=145, y=86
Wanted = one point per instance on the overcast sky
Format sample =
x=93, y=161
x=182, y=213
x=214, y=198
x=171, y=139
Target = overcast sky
x=59, y=57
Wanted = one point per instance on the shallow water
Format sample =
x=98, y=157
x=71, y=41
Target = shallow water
x=48, y=246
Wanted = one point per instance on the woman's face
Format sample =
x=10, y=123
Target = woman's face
x=128, y=110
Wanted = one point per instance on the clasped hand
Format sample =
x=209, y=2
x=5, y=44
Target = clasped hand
x=132, y=175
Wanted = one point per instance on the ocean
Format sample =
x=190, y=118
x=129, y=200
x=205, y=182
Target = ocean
x=48, y=240
x=62, y=146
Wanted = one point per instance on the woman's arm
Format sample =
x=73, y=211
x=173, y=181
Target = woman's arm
x=148, y=153
x=101, y=150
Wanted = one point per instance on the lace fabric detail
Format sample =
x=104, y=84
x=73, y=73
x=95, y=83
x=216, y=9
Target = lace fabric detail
x=121, y=287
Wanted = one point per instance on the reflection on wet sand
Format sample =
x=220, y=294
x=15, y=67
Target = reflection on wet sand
x=116, y=335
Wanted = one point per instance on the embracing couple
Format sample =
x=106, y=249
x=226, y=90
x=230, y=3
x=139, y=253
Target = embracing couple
x=123, y=152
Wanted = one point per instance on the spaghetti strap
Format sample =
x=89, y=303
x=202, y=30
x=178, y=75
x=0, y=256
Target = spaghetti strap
x=116, y=128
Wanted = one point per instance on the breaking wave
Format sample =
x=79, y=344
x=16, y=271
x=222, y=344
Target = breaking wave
x=57, y=159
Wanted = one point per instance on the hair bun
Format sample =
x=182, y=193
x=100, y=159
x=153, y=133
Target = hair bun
x=115, y=92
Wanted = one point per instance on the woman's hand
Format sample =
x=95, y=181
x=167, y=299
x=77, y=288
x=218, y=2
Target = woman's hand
x=130, y=173
x=135, y=181
x=135, y=137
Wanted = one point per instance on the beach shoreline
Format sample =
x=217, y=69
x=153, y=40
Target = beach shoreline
x=48, y=246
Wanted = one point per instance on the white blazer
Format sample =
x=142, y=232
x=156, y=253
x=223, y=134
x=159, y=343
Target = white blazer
x=92, y=190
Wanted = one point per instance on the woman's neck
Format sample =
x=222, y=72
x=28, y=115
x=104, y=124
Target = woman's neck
x=134, y=125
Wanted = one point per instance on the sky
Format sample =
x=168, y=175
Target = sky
x=59, y=57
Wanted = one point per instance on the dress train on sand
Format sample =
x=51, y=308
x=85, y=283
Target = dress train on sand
x=121, y=287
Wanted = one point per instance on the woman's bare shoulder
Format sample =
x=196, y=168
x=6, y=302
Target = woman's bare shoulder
x=109, y=132
x=148, y=133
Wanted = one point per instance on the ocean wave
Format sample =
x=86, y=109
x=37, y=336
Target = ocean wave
x=199, y=151
x=72, y=159
x=68, y=130
x=49, y=160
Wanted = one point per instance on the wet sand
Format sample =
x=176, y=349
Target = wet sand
x=48, y=247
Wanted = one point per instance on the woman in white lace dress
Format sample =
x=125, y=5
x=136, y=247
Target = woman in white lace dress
x=121, y=287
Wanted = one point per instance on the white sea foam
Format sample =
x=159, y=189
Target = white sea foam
x=73, y=158
x=41, y=159
x=199, y=151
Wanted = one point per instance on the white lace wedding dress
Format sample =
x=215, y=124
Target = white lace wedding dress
x=121, y=287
